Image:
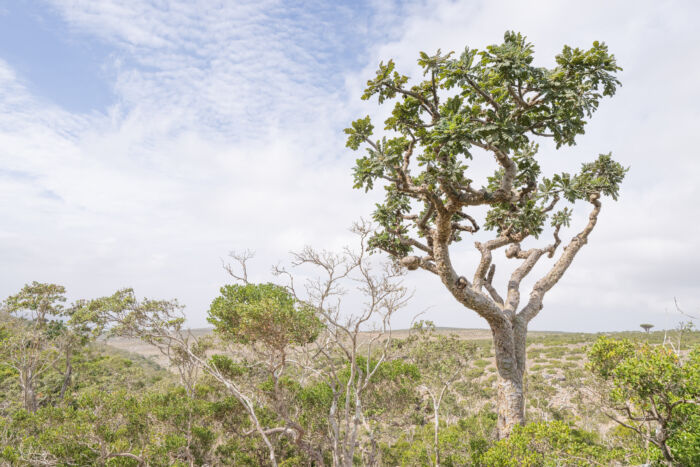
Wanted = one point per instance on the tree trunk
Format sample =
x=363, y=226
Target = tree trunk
x=68, y=375
x=511, y=404
x=27, y=384
x=509, y=344
x=661, y=438
x=436, y=439
x=30, y=402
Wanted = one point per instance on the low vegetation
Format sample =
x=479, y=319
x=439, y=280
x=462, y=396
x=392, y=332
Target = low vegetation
x=305, y=370
x=323, y=392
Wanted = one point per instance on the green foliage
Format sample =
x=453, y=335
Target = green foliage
x=387, y=371
x=265, y=313
x=32, y=337
x=653, y=383
x=496, y=100
x=481, y=363
x=162, y=426
x=227, y=366
x=124, y=410
x=99, y=368
x=462, y=443
x=685, y=441
x=38, y=299
x=123, y=314
x=641, y=371
x=550, y=444
x=441, y=358
x=391, y=388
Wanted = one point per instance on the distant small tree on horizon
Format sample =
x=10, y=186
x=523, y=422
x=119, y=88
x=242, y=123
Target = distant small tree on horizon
x=646, y=326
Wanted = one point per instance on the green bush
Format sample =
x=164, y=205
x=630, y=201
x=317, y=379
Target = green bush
x=651, y=386
x=460, y=444
x=550, y=444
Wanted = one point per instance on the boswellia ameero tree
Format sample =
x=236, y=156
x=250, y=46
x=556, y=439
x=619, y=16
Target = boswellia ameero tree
x=493, y=102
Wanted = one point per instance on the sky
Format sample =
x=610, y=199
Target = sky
x=143, y=140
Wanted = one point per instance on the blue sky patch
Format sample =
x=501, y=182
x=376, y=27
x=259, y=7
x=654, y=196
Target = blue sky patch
x=55, y=63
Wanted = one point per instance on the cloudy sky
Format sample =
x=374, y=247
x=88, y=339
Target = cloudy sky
x=141, y=141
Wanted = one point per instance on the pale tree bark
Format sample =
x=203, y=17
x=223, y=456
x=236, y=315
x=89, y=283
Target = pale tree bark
x=384, y=294
x=30, y=357
x=28, y=392
x=436, y=399
x=29, y=351
x=426, y=211
x=511, y=397
x=507, y=321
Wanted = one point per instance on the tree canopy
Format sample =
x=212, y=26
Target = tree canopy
x=495, y=100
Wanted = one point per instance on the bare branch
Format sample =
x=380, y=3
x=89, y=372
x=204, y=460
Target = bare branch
x=488, y=285
x=486, y=258
x=683, y=312
x=531, y=257
x=241, y=258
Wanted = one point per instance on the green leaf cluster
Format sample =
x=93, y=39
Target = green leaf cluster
x=264, y=313
x=495, y=100
x=652, y=382
x=550, y=444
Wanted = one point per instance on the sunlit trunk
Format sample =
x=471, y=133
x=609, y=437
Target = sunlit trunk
x=511, y=404
x=509, y=345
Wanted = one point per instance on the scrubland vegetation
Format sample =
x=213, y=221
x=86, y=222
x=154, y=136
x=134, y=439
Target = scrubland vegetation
x=306, y=370
x=320, y=393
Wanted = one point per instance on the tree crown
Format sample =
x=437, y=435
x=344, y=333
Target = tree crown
x=494, y=100
x=265, y=313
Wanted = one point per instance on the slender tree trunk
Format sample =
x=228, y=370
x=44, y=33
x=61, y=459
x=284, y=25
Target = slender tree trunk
x=436, y=434
x=662, y=437
x=30, y=402
x=27, y=384
x=509, y=344
x=68, y=375
x=372, y=458
x=436, y=438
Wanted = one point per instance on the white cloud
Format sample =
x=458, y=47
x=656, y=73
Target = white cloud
x=645, y=248
x=226, y=135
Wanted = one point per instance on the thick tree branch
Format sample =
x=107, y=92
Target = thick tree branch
x=422, y=221
x=543, y=285
x=508, y=166
x=474, y=226
x=414, y=262
x=486, y=258
x=557, y=241
x=488, y=285
x=456, y=284
x=531, y=257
